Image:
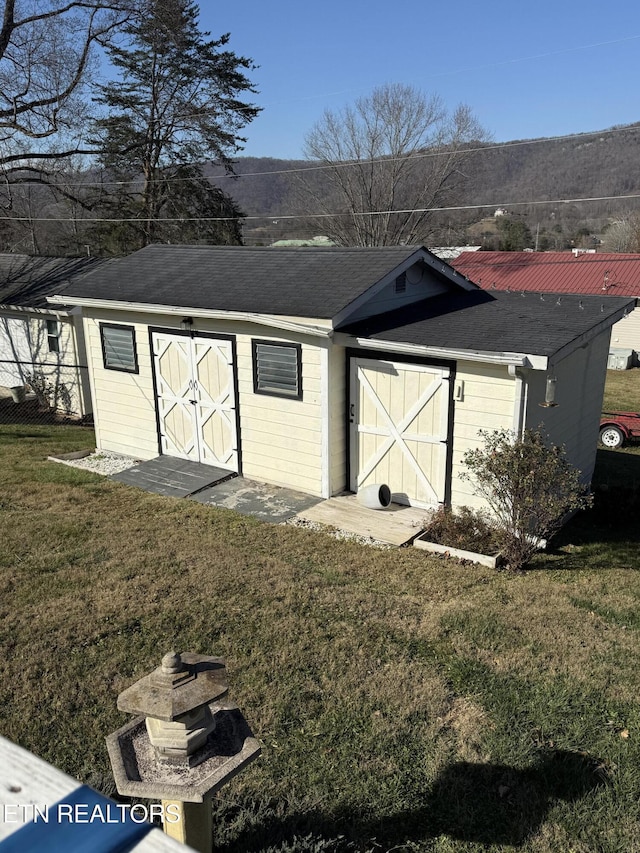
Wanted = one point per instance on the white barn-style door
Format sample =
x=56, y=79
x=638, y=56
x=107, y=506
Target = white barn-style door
x=399, y=416
x=196, y=398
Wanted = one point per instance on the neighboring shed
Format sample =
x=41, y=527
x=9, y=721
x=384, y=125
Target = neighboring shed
x=582, y=273
x=331, y=369
x=447, y=253
x=35, y=337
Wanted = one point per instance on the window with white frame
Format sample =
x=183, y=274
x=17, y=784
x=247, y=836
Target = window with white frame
x=277, y=369
x=53, y=335
x=119, y=347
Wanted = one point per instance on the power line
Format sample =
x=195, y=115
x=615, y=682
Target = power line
x=388, y=159
x=351, y=164
x=290, y=216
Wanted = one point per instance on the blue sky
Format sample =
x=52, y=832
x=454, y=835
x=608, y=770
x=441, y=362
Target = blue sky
x=549, y=69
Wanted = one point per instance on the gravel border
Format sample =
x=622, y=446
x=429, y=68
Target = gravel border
x=99, y=462
x=336, y=533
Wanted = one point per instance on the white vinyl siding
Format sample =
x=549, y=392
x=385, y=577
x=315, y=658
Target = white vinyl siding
x=25, y=347
x=487, y=402
x=17, y=352
x=337, y=420
x=489, y=399
x=124, y=403
x=280, y=437
x=626, y=333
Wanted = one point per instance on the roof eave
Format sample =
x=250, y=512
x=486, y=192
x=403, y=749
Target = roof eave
x=202, y=313
x=28, y=309
x=518, y=359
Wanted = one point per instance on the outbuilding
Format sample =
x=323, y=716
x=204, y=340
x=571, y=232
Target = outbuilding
x=329, y=369
x=41, y=344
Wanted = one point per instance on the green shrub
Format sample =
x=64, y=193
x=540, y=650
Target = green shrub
x=529, y=487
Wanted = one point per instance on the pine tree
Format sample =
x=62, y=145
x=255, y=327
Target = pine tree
x=175, y=105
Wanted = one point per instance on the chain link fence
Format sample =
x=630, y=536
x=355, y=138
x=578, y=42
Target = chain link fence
x=44, y=394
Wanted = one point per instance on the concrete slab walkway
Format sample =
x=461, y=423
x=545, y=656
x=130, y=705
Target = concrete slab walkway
x=268, y=503
x=206, y=484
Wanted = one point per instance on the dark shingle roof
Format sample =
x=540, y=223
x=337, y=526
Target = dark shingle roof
x=305, y=282
x=321, y=282
x=532, y=323
x=26, y=281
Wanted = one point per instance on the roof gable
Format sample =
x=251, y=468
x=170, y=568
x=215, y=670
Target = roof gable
x=553, y=272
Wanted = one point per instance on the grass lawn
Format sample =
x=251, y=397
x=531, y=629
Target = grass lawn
x=622, y=391
x=404, y=701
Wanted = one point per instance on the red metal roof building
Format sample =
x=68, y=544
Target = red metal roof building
x=553, y=272
x=579, y=273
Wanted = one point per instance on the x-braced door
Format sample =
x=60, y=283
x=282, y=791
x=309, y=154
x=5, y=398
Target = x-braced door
x=196, y=398
x=399, y=427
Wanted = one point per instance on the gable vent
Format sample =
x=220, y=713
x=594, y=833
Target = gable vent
x=400, y=285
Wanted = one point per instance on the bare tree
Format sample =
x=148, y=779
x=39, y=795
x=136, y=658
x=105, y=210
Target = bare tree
x=46, y=48
x=623, y=234
x=388, y=160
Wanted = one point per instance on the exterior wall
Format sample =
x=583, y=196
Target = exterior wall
x=281, y=440
x=338, y=392
x=626, y=334
x=24, y=349
x=82, y=369
x=15, y=351
x=487, y=402
x=123, y=403
x=575, y=421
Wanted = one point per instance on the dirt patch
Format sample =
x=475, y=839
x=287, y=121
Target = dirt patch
x=469, y=722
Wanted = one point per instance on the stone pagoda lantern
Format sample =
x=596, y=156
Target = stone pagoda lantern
x=186, y=742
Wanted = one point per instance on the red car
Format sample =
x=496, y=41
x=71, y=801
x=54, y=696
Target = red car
x=618, y=427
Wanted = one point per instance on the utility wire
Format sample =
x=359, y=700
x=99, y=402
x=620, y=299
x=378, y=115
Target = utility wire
x=355, y=163
x=276, y=217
